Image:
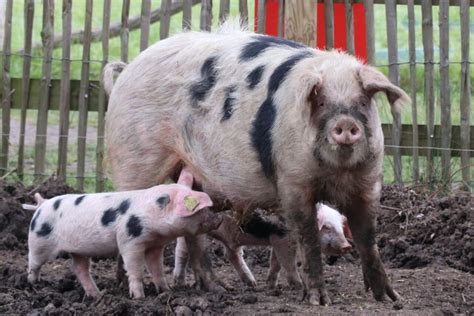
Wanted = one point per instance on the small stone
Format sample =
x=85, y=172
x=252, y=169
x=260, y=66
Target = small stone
x=397, y=305
x=249, y=299
x=183, y=311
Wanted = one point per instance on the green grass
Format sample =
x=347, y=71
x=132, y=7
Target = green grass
x=176, y=21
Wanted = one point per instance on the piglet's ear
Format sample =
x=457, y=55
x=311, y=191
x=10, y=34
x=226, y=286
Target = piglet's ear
x=186, y=177
x=374, y=81
x=191, y=203
x=320, y=215
x=346, y=229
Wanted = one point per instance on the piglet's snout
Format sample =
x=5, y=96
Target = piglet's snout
x=346, y=131
x=346, y=248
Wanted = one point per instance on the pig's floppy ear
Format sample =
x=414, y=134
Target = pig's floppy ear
x=39, y=199
x=374, y=81
x=186, y=177
x=346, y=229
x=191, y=203
x=307, y=93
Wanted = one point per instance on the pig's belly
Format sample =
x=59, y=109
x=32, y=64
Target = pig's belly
x=89, y=243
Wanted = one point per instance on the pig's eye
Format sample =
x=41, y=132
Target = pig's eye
x=321, y=104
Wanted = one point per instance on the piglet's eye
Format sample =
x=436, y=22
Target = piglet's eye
x=321, y=104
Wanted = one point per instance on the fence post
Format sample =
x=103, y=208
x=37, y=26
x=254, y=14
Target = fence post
x=414, y=114
x=370, y=30
x=224, y=9
x=84, y=98
x=165, y=19
x=465, y=93
x=124, y=31
x=99, y=176
x=206, y=15
x=144, y=23
x=47, y=37
x=6, y=100
x=187, y=14
x=300, y=21
x=65, y=94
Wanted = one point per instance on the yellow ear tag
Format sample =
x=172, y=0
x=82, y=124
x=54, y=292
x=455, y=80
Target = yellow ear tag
x=191, y=203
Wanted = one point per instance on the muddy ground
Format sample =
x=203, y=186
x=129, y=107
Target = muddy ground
x=426, y=242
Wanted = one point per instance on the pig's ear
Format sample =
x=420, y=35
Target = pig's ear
x=374, y=81
x=39, y=199
x=188, y=205
x=319, y=216
x=346, y=229
x=308, y=92
x=186, y=177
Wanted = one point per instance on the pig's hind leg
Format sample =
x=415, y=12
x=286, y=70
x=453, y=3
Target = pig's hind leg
x=236, y=257
x=134, y=260
x=284, y=253
x=81, y=267
x=36, y=259
x=154, y=264
x=180, y=262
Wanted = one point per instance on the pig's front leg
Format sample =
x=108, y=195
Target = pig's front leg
x=361, y=216
x=201, y=263
x=284, y=253
x=274, y=271
x=298, y=205
x=180, y=262
x=154, y=264
x=134, y=261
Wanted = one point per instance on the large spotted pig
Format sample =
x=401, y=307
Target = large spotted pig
x=261, y=122
x=136, y=224
x=263, y=229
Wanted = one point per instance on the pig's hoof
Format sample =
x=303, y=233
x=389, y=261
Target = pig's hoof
x=316, y=297
x=251, y=283
x=380, y=295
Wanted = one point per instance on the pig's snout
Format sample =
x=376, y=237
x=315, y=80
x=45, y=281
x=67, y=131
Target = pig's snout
x=346, y=248
x=346, y=131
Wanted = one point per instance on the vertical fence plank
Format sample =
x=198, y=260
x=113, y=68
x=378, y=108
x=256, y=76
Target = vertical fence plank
x=187, y=14
x=144, y=24
x=329, y=23
x=349, y=27
x=47, y=36
x=394, y=76
x=281, y=17
x=65, y=93
x=206, y=15
x=84, y=98
x=165, y=18
x=224, y=9
x=445, y=101
x=370, y=30
x=6, y=100
x=427, y=33
x=465, y=92
x=244, y=12
x=414, y=114
x=99, y=183
x=25, y=83
x=124, y=31
x=300, y=22
x=261, y=16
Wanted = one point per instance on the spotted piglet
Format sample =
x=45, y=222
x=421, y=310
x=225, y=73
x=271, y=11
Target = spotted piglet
x=136, y=224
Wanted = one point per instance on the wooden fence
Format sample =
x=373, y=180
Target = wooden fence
x=85, y=95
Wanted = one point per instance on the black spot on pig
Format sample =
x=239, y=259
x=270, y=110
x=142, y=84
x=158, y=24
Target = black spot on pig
x=33, y=221
x=200, y=89
x=56, y=204
x=163, y=201
x=45, y=230
x=109, y=216
x=124, y=206
x=228, y=108
x=261, y=228
x=261, y=133
x=262, y=137
x=254, y=77
x=79, y=200
x=261, y=42
x=134, y=226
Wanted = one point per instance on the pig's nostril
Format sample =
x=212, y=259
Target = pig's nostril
x=354, y=131
x=338, y=130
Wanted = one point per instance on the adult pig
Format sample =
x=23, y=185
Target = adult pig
x=137, y=224
x=262, y=122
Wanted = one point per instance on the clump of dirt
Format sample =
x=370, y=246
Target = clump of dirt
x=14, y=220
x=420, y=228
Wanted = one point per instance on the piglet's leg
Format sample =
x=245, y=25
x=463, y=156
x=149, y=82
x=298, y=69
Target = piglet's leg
x=201, y=263
x=134, y=260
x=237, y=259
x=274, y=271
x=180, y=261
x=154, y=264
x=284, y=253
x=80, y=266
